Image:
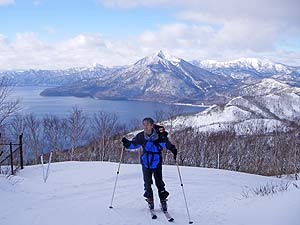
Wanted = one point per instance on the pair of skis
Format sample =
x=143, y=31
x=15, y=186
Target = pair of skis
x=166, y=213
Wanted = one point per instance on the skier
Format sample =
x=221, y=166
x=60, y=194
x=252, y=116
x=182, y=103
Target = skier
x=152, y=142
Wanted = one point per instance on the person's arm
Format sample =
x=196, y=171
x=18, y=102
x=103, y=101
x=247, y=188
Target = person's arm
x=133, y=144
x=165, y=143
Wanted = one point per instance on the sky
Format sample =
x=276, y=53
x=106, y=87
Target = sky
x=59, y=34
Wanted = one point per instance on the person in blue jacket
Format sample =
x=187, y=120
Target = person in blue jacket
x=152, y=143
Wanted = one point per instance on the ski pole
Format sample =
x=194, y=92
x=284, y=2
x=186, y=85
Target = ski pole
x=45, y=176
x=118, y=171
x=42, y=162
x=181, y=183
x=47, y=171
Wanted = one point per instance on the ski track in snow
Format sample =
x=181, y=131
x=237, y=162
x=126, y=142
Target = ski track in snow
x=80, y=193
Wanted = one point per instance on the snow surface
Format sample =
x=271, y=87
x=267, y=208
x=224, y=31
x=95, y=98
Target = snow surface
x=80, y=193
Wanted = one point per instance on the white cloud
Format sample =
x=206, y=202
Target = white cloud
x=216, y=28
x=28, y=51
x=6, y=2
x=187, y=41
x=204, y=29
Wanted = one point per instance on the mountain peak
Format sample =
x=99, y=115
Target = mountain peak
x=166, y=56
x=97, y=65
x=157, y=57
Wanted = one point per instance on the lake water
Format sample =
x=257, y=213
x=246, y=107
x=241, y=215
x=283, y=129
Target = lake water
x=32, y=102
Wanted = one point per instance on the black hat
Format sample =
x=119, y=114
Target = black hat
x=148, y=119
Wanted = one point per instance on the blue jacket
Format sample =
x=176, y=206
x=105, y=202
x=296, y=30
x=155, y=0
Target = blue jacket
x=152, y=147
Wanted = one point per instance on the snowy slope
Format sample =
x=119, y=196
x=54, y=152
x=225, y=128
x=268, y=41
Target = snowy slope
x=264, y=87
x=247, y=66
x=252, y=70
x=80, y=192
x=244, y=114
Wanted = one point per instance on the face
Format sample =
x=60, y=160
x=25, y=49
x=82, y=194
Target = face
x=147, y=127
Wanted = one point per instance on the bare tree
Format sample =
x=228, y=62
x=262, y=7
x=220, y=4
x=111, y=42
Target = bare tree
x=77, y=130
x=55, y=130
x=160, y=115
x=135, y=124
x=172, y=113
x=105, y=125
x=17, y=126
x=34, y=135
x=8, y=106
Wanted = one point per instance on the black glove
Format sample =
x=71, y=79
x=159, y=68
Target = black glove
x=174, y=151
x=126, y=142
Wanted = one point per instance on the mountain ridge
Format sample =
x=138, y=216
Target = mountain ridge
x=162, y=77
x=153, y=77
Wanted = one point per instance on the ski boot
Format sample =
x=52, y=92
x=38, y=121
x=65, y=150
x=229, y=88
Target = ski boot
x=163, y=204
x=150, y=202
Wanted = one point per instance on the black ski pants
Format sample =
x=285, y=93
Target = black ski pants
x=147, y=175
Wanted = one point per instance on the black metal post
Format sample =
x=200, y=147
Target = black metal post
x=11, y=159
x=21, y=150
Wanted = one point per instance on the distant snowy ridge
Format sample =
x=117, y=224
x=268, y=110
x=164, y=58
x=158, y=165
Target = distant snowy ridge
x=248, y=115
x=263, y=65
x=55, y=77
x=246, y=69
x=161, y=77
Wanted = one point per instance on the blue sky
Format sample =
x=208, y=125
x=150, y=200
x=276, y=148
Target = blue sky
x=69, y=18
x=66, y=33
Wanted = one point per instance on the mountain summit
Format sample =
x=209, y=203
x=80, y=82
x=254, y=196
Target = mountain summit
x=159, y=56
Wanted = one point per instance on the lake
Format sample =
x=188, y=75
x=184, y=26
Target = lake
x=32, y=102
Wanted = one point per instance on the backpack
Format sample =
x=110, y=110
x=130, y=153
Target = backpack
x=161, y=131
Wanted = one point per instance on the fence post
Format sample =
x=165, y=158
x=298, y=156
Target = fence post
x=11, y=158
x=21, y=150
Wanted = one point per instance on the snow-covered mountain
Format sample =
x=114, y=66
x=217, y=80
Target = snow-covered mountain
x=165, y=78
x=248, y=114
x=265, y=86
x=262, y=66
x=80, y=193
x=251, y=68
x=159, y=77
x=55, y=77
